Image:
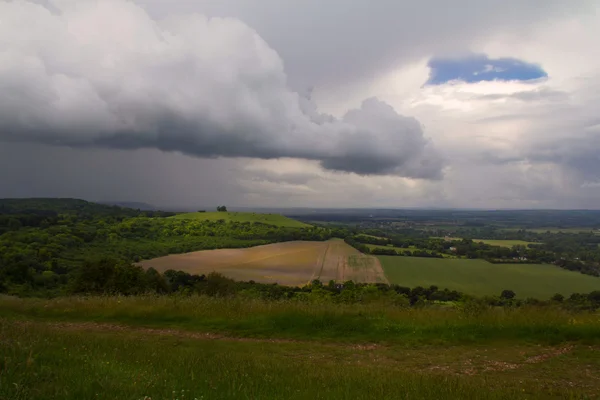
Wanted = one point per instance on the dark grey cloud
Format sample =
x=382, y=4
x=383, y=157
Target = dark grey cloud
x=340, y=41
x=579, y=153
x=147, y=175
x=292, y=178
x=105, y=74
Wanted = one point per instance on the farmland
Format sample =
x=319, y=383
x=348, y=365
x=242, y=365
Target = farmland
x=503, y=243
x=401, y=249
x=269, y=219
x=494, y=242
x=289, y=263
x=555, y=230
x=479, y=277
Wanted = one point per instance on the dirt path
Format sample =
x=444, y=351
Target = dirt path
x=515, y=364
x=98, y=327
x=448, y=360
x=319, y=264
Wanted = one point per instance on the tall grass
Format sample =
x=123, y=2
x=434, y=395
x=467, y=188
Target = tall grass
x=50, y=364
x=376, y=322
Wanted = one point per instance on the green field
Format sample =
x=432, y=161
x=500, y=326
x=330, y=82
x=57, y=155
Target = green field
x=479, y=277
x=401, y=249
x=555, y=230
x=503, y=243
x=494, y=242
x=167, y=348
x=269, y=219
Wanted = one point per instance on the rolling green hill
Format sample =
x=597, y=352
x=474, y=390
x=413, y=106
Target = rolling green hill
x=479, y=277
x=269, y=219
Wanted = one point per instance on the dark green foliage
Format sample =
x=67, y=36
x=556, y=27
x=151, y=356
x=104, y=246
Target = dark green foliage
x=559, y=298
x=357, y=245
x=55, y=242
x=507, y=294
x=222, y=209
x=108, y=276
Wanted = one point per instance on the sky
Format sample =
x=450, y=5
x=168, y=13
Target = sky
x=263, y=103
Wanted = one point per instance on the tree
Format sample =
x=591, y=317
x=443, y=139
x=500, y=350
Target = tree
x=222, y=209
x=507, y=294
x=558, y=298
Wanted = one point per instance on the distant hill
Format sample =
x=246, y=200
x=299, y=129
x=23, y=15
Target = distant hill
x=269, y=219
x=52, y=207
x=57, y=206
x=130, y=204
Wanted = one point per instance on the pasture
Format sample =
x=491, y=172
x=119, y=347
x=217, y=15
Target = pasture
x=480, y=278
x=289, y=263
x=269, y=219
x=573, y=230
x=494, y=242
x=503, y=243
x=401, y=249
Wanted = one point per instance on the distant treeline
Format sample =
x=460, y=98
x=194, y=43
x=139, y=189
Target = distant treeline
x=458, y=218
x=572, y=252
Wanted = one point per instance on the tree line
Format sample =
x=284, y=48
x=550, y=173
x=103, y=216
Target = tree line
x=112, y=277
x=565, y=251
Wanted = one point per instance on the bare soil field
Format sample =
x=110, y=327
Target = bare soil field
x=288, y=263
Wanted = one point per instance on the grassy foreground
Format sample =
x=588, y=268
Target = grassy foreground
x=481, y=278
x=209, y=348
x=295, y=320
x=269, y=219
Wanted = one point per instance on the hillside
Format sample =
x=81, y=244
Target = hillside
x=269, y=219
x=290, y=263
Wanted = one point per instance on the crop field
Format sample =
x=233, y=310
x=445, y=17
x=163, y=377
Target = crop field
x=503, y=243
x=556, y=230
x=401, y=249
x=479, y=277
x=269, y=219
x=494, y=242
x=288, y=263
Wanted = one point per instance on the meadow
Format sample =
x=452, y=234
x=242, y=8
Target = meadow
x=401, y=249
x=494, y=242
x=290, y=263
x=480, y=278
x=226, y=348
x=554, y=230
x=503, y=243
x=269, y=219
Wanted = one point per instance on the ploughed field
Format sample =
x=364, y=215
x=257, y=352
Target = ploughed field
x=288, y=263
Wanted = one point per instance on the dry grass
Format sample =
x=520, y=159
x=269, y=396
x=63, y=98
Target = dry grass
x=289, y=263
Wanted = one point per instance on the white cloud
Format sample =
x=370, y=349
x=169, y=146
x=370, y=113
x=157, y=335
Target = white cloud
x=105, y=74
x=505, y=144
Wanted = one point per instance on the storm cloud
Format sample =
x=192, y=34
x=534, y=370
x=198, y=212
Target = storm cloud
x=106, y=74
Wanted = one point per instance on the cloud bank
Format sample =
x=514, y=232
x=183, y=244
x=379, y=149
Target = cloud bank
x=106, y=74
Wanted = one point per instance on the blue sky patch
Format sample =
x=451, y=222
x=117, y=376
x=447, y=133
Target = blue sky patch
x=478, y=67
